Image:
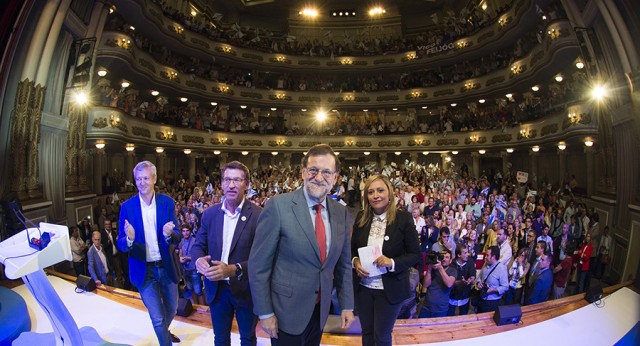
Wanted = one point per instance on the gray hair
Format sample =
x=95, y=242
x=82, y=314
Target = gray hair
x=142, y=165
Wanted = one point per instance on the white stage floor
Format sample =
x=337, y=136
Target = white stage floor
x=118, y=323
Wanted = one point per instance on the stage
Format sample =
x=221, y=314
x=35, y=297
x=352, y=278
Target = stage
x=617, y=316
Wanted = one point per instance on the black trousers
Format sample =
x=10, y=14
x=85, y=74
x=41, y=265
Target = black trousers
x=311, y=335
x=377, y=316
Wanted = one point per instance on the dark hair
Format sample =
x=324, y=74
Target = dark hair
x=445, y=230
x=236, y=165
x=495, y=251
x=187, y=226
x=320, y=149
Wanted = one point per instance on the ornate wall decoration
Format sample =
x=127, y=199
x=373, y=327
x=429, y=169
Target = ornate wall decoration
x=549, y=129
x=226, y=50
x=140, y=131
x=122, y=127
x=250, y=142
x=387, y=98
x=193, y=139
x=99, y=123
x=196, y=85
x=363, y=144
x=309, y=99
x=163, y=137
x=308, y=144
x=309, y=62
x=336, y=144
x=280, y=143
x=485, y=36
x=384, y=61
x=444, y=92
x=447, y=141
x=383, y=144
x=252, y=56
x=480, y=140
x=362, y=99
x=494, y=80
x=202, y=43
x=418, y=142
x=218, y=141
x=147, y=64
x=252, y=95
x=501, y=138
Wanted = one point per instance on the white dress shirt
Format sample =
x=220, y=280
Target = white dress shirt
x=150, y=229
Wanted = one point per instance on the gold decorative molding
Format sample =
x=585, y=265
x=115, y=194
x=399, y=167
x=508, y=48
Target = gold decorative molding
x=140, y=131
x=383, y=144
x=99, y=123
x=501, y=138
x=193, y=139
x=308, y=144
x=250, y=142
x=447, y=141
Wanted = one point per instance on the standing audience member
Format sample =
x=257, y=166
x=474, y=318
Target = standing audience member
x=78, y=251
x=221, y=254
x=99, y=267
x=192, y=278
x=561, y=272
x=459, y=296
x=542, y=281
x=505, y=247
x=584, y=276
x=603, y=253
x=147, y=223
x=493, y=276
x=378, y=298
x=303, y=232
x=438, y=281
x=517, y=274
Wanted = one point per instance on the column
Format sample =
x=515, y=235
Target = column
x=589, y=153
x=414, y=157
x=475, y=163
x=562, y=165
x=76, y=156
x=443, y=161
x=191, y=168
x=223, y=158
x=287, y=160
x=129, y=163
x=255, y=160
x=505, y=164
x=99, y=159
x=382, y=159
x=160, y=163
x=533, y=168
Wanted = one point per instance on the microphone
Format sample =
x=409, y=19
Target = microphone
x=35, y=243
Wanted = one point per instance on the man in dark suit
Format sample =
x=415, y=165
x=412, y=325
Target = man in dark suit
x=98, y=264
x=301, y=249
x=221, y=252
x=542, y=280
x=147, y=228
x=109, y=237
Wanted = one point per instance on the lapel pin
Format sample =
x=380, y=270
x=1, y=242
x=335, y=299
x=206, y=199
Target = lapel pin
x=386, y=237
x=243, y=218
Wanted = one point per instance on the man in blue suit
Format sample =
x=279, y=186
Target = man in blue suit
x=221, y=252
x=542, y=281
x=301, y=249
x=98, y=263
x=147, y=228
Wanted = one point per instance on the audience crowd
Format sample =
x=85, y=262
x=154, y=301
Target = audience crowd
x=522, y=228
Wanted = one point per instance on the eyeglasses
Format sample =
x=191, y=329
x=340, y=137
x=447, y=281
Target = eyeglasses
x=227, y=181
x=314, y=172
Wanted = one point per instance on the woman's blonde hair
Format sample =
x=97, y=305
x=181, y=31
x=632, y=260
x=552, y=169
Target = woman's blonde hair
x=367, y=212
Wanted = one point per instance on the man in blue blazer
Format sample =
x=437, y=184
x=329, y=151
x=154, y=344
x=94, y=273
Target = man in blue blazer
x=542, y=282
x=97, y=261
x=301, y=249
x=221, y=252
x=147, y=228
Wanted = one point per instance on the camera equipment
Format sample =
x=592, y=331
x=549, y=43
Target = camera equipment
x=433, y=257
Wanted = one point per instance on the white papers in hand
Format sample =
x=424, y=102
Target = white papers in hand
x=367, y=255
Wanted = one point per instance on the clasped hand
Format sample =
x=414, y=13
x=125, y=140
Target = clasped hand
x=214, y=270
x=381, y=261
x=167, y=229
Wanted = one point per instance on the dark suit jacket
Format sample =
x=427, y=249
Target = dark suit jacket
x=209, y=242
x=541, y=287
x=426, y=242
x=132, y=212
x=96, y=269
x=402, y=246
x=286, y=273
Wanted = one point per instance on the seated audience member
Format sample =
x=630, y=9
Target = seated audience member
x=445, y=241
x=437, y=284
x=542, y=281
x=493, y=276
x=466, y=275
x=418, y=220
x=99, y=268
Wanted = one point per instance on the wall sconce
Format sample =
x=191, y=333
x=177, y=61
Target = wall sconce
x=102, y=72
x=482, y=151
x=187, y=151
x=474, y=138
x=535, y=149
x=349, y=142
x=553, y=33
x=418, y=141
x=223, y=89
x=130, y=147
x=535, y=88
x=280, y=142
x=562, y=146
x=124, y=43
x=169, y=134
x=159, y=150
x=274, y=153
x=574, y=118
x=510, y=150
x=114, y=120
x=100, y=145
x=155, y=93
x=455, y=152
x=179, y=29
x=397, y=153
x=244, y=153
x=588, y=141
x=415, y=94
x=216, y=152
x=579, y=64
x=516, y=69
x=346, y=61
x=425, y=153
x=366, y=153
x=462, y=44
x=525, y=133
x=469, y=85
x=281, y=96
x=348, y=98
x=226, y=49
x=502, y=21
x=558, y=78
x=172, y=75
x=222, y=140
x=411, y=56
x=281, y=58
